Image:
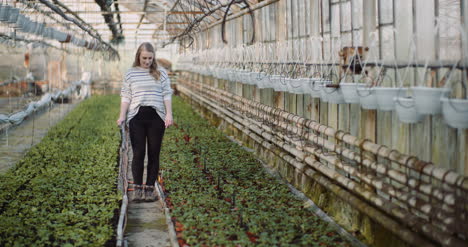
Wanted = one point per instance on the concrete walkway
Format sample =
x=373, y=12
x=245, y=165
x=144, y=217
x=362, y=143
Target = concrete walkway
x=146, y=225
x=17, y=140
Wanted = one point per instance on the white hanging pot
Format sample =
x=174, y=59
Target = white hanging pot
x=406, y=110
x=334, y=94
x=19, y=24
x=276, y=81
x=27, y=25
x=295, y=85
x=323, y=92
x=262, y=80
x=385, y=97
x=308, y=84
x=285, y=84
x=349, y=91
x=227, y=74
x=13, y=15
x=315, y=88
x=4, y=12
x=367, y=98
x=244, y=77
x=305, y=85
x=39, y=29
x=427, y=99
x=455, y=112
x=254, y=78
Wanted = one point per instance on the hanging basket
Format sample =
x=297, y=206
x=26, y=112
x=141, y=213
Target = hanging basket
x=5, y=13
x=349, y=91
x=455, y=112
x=324, y=95
x=406, y=110
x=315, y=87
x=367, y=98
x=276, y=82
x=61, y=36
x=385, y=97
x=13, y=15
x=427, y=99
x=295, y=86
x=334, y=94
x=20, y=22
x=262, y=80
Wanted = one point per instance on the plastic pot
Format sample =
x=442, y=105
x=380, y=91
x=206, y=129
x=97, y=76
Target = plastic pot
x=406, y=110
x=349, y=91
x=385, y=97
x=427, y=99
x=367, y=98
x=334, y=95
x=455, y=112
x=315, y=87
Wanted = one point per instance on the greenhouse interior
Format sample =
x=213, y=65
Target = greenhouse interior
x=234, y=123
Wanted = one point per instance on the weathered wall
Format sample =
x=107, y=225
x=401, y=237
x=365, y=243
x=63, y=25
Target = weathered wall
x=393, y=30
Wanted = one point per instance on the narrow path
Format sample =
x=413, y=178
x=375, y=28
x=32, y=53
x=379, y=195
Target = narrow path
x=17, y=140
x=146, y=225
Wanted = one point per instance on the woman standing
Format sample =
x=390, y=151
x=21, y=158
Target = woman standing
x=146, y=108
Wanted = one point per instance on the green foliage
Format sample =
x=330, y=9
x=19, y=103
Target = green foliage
x=63, y=192
x=248, y=207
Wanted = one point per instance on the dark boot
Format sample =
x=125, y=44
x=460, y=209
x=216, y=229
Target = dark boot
x=150, y=193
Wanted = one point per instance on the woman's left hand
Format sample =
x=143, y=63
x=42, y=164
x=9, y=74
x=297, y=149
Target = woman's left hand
x=168, y=121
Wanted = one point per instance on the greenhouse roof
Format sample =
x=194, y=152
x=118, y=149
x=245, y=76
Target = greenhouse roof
x=131, y=20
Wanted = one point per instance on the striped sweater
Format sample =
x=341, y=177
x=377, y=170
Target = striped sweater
x=141, y=89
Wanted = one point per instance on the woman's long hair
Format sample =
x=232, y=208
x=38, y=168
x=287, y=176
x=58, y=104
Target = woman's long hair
x=154, y=71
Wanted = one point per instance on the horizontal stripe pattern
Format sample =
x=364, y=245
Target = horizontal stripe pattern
x=139, y=88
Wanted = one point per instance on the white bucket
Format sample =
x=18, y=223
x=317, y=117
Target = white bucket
x=367, y=98
x=334, y=95
x=276, y=82
x=315, y=87
x=406, y=110
x=295, y=85
x=13, y=15
x=349, y=91
x=262, y=80
x=5, y=12
x=427, y=99
x=385, y=97
x=455, y=112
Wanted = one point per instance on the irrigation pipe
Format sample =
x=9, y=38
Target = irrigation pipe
x=389, y=223
x=439, y=235
x=122, y=186
x=122, y=221
x=167, y=212
x=18, y=117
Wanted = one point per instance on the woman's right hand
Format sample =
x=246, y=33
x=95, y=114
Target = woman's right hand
x=120, y=121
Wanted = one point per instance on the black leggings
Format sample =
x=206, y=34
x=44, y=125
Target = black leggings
x=146, y=128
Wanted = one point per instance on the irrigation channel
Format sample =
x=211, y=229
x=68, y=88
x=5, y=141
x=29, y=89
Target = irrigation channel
x=214, y=192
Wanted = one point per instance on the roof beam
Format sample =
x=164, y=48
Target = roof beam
x=140, y=12
x=143, y=15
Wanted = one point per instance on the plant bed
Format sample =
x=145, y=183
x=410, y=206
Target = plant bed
x=220, y=195
x=63, y=192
